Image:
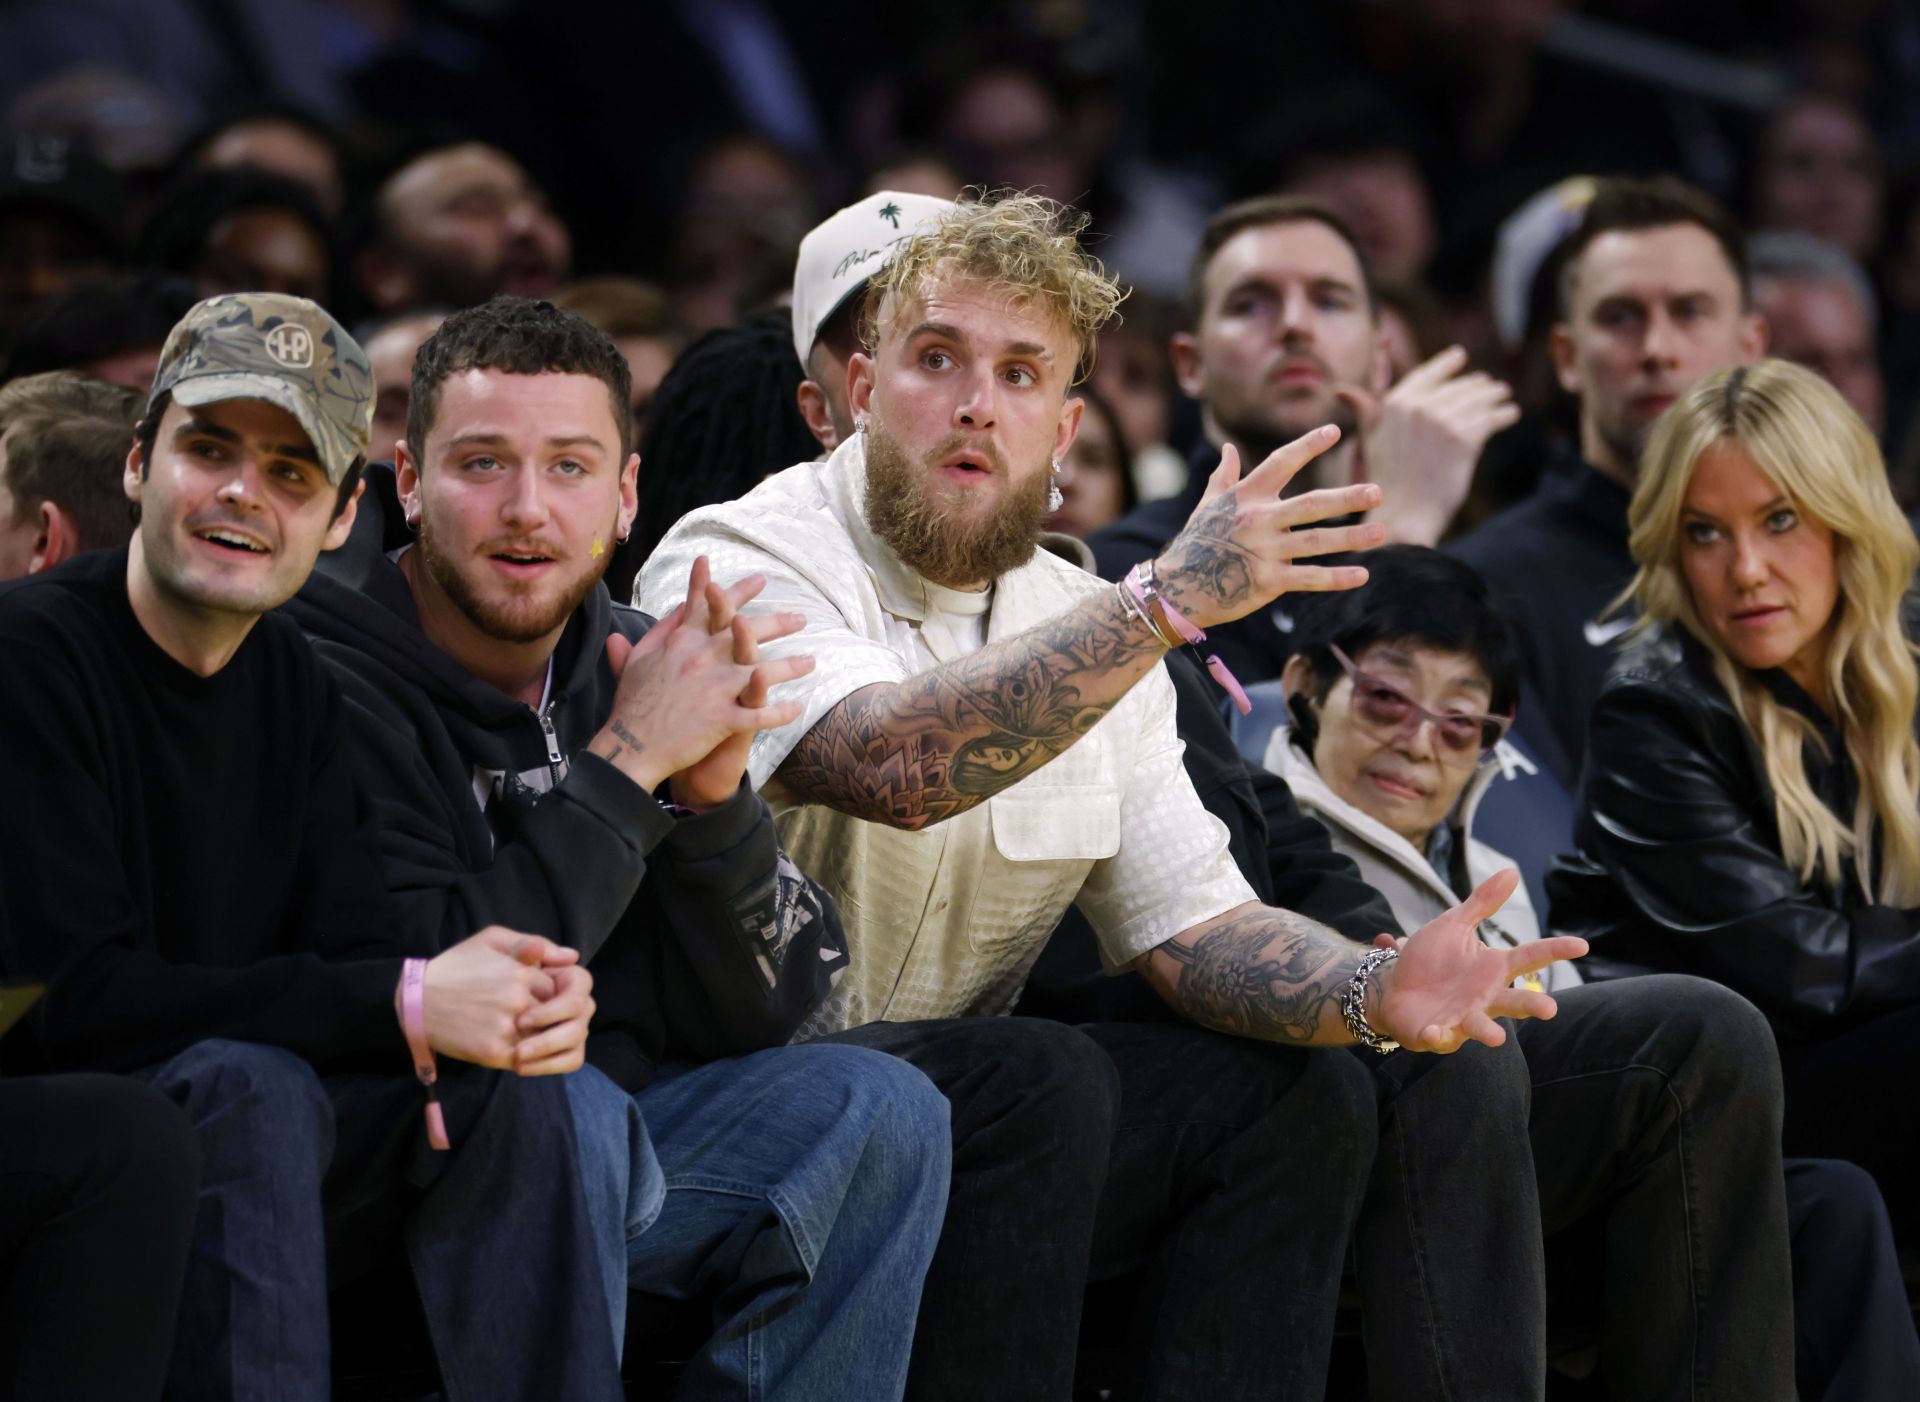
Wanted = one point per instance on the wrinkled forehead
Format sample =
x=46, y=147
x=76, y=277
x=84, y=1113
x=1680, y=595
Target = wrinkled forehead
x=986, y=314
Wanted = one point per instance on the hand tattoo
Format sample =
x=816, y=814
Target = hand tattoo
x=939, y=743
x=1205, y=562
x=620, y=739
x=1268, y=973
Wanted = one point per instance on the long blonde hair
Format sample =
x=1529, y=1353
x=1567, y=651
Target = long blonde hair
x=1803, y=435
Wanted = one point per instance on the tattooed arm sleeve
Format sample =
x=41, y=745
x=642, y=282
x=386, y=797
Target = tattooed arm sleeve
x=1258, y=972
x=912, y=753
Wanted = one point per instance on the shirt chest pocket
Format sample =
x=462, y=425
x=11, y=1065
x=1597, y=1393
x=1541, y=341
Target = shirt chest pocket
x=1057, y=822
x=1045, y=840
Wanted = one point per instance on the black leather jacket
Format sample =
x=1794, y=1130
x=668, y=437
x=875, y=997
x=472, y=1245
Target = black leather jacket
x=1679, y=864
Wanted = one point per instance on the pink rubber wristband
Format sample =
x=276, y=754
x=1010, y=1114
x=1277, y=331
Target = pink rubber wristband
x=1194, y=636
x=413, y=1022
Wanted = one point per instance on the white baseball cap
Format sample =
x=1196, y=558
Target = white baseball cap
x=839, y=255
x=1528, y=237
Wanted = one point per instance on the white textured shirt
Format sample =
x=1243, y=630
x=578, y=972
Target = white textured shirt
x=947, y=921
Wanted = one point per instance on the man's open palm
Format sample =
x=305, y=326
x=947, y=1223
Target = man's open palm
x=1448, y=986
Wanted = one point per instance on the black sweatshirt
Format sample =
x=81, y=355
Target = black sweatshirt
x=704, y=939
x=185, y=857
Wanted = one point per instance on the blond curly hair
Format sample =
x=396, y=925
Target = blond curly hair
x=1025, y=245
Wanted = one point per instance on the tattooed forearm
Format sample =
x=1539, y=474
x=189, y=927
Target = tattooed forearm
x=1258, y=972
x=916, y=753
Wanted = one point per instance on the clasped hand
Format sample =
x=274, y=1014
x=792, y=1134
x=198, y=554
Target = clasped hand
x=693, y=691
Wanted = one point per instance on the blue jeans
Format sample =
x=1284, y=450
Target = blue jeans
x=803, y=1188
x=302, y=1173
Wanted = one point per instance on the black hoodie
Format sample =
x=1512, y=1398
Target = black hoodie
x=704, y=939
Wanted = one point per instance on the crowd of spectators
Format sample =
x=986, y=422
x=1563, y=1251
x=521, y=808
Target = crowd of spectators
x=1616, y=309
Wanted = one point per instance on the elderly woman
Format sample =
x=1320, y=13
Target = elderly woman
x=1400, y=692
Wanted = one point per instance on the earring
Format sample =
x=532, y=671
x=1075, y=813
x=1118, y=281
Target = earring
x=1055, y=500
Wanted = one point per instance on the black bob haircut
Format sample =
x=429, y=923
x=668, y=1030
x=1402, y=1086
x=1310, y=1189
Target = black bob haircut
x=1413, y=594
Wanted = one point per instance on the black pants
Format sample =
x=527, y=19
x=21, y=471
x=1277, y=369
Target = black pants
x=98, y=1178
x=1645, y=1116
x=1230, y=1171
x=1851, y=1097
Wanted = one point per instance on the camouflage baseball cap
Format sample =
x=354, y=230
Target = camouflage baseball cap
x=284, y=350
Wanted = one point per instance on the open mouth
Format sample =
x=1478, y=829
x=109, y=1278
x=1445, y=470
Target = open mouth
x=965, y=467
x=520, y=563
x=233, y=541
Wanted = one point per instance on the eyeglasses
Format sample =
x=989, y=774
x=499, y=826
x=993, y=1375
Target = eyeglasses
x=1390, y=713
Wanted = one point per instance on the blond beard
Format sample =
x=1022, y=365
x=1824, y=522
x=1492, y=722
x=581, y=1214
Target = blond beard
x=955, y=554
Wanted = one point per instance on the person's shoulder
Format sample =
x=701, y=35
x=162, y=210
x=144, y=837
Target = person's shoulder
x=65, y=603
x=1662, y=684
x=1507, y=539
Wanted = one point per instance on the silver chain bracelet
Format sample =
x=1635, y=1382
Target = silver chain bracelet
x=1353, y=1002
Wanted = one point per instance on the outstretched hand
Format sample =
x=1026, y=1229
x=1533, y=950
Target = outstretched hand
x=1448, y=986
x=1238, y=550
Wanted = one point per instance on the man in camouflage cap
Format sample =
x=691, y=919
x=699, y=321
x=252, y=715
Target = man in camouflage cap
x=194, y=877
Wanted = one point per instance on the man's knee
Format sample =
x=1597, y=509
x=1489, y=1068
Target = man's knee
x=1729, y=1046
x=1835, y=1202
x=244, y=1091
x=904, y=1122
x=1336, y=1103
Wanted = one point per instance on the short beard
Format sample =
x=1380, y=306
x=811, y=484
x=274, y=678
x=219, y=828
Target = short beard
x=953, y=554
x=1262, y=431
x=502, y=622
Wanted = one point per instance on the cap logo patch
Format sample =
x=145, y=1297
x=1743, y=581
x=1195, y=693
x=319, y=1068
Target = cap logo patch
x=290, y=345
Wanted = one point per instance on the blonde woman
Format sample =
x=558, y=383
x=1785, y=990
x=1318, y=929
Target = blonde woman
x=1751, y=807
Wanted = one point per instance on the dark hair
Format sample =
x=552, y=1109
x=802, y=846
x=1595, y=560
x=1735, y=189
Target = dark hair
x=1413, y=594
x=186, y=214
x=1259, y=213
x=67, y=443
x=147, y=431
x=100, y=317
x=1623, y=204
x=724, y=417
x=517, y=336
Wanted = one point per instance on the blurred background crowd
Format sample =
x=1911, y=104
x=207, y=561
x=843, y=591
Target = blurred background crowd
x=654, y=165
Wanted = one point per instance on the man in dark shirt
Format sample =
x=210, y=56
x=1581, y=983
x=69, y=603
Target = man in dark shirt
x=1285, y=337
x=1653, y=295
x=513, y=728
x=194, y=876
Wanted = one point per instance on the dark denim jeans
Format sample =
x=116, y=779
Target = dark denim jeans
x=1646, y=1113
x=307, y=1181
x=1226, y=1170
x=801, y=1190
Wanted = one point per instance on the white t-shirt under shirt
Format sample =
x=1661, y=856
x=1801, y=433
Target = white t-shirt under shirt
x=947, y=921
